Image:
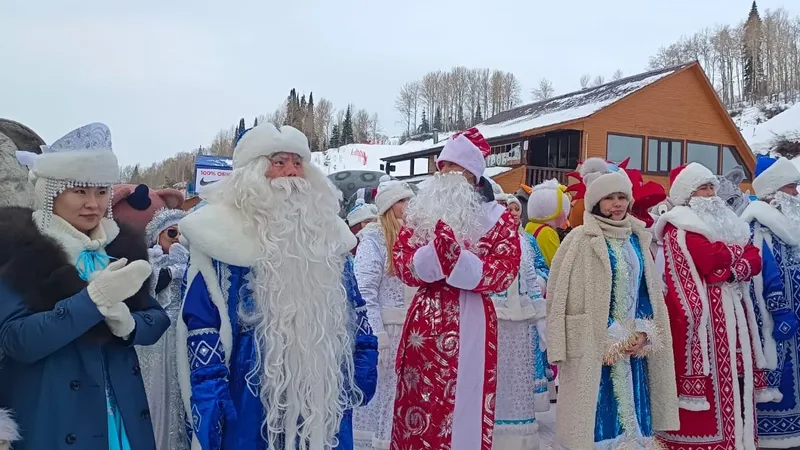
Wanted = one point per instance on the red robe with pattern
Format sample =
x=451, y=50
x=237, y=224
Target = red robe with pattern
x=710, y=317
x=438, y=406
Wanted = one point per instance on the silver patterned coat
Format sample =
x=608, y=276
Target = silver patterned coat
x=158, y=362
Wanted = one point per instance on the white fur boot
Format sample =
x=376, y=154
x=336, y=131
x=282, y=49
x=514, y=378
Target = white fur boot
x=8, y=429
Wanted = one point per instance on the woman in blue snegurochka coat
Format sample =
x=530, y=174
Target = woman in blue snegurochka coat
x=73, y=303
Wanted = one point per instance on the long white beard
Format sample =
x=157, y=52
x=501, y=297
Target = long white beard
x=724, y=224
x=451, y=199
x=789, y=206
x=302, y=320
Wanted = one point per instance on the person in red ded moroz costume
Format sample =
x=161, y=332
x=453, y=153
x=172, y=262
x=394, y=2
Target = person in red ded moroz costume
x=709, y=262
x=458, y=246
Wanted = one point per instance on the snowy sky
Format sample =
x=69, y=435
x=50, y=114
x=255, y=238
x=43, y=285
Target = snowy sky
x=167, y=75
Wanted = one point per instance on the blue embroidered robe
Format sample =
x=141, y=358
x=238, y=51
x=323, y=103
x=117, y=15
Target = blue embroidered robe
x=776, y=292
x=608, y=428
x=226, y=410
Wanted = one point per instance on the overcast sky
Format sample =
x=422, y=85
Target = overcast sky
x=167, y=75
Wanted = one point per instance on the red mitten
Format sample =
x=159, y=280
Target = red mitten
x=447, y=247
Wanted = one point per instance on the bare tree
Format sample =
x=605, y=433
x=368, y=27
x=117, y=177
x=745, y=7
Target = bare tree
x=544, y=91
x=617, y=75
x=585, y=80
x=598, y=81
x=323, y=121
x=405, y=103
x=277, y=117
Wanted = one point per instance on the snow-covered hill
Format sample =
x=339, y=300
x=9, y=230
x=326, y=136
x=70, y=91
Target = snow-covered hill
x=760, y=125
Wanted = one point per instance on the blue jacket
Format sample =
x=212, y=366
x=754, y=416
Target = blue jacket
x=57, y=347
x=229, y=394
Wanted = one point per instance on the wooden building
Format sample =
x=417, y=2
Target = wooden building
x=658, y=119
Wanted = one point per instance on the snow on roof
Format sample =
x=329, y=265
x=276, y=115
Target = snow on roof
x=761, y=137
x=368, y=157
x=495, y=171
x=568, y=107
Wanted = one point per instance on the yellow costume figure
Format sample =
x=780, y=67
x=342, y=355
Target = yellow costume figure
x=548, y=209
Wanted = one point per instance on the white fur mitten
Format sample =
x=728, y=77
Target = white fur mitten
x=8, y=429
x=384, y=350
x=118, y=282
x=120, y=321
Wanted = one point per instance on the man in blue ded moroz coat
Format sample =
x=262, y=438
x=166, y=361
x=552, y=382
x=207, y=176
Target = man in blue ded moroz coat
x=274, y=345
x=775, y=220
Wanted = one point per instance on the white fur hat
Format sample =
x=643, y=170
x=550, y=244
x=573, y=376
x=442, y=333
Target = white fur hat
x=266, y=140
x=469, y=150
x=548, y=202
x=361, y=212
x=390, y=192
x=685, y=179
x=601, y=181
x=83, y=155
x=511, y=198
x=773, y=174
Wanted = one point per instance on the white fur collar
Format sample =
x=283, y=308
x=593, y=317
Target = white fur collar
x=771, y=218
x=73, y=241
x=218, y=231
x=683, y=218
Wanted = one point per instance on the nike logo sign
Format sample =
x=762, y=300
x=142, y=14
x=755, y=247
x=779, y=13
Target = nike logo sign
x=203, y=182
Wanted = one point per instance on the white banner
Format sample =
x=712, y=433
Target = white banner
x=204, y=177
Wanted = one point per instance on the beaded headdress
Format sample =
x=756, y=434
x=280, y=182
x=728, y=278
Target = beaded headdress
x=162, y=219
x=82, y=158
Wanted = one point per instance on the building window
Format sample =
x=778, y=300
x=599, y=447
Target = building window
x=663, y=155
x=729, y=160
x=705, y=154
x=621, y=147
x=505, y=154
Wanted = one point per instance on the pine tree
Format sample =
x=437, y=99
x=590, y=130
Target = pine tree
x=290, y=107
x=347, y=128
x=460, y=124
x=751, y=52
x=478, y=115
x=239, y=130
x=437, y=120
x=335, y=138
x=135, y=175
x=255, y=122
x=311, y=129
x=424, y=126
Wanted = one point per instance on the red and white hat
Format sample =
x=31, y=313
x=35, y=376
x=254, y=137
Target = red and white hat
x=685, y=179
x=469, y=150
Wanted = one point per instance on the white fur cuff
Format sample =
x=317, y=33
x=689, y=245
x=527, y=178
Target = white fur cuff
x=426, y=264
x=693, y=403
x=383, y=340
x=467, y=272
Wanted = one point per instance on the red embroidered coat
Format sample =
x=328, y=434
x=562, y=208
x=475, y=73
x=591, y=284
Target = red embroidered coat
x=451, y=322
x=710, y=317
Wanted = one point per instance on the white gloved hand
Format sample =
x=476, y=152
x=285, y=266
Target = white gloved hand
x=120, y=321
x=384, y=350
x=178, y=253
x=176, y=271
x=155, y=251
x=118, y=282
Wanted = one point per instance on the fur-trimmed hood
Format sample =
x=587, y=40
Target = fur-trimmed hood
x=37, y=267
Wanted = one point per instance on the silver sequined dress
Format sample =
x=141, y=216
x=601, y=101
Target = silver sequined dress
x=159, y=365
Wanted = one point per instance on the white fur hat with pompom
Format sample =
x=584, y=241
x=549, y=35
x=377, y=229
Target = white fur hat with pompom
x=600, y=180
x=390, y=192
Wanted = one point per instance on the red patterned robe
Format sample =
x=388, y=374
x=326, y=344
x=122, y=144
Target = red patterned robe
x=451, y=323
x=711, y=315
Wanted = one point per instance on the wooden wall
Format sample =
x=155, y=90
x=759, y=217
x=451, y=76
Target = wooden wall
x=511, y=180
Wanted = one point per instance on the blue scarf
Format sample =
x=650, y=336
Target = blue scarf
x=90, y=261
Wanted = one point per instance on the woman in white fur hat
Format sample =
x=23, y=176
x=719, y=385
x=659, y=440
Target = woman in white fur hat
x=522, y=367
x=385, y=297
x=73, y=306
x=607, y=325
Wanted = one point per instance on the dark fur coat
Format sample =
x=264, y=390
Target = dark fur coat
x=36, y=266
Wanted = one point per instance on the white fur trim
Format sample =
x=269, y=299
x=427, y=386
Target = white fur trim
x=791, y=442
x=769, y=395
x=693, y=403
x=773, y=219
x=426, y=264
x=524, y=313
x=691, y=177
x=200, y=264
x=769, y=348
x=87, y=166
x=394, y=316
x=464, y=153
x=266, y=140
x=361, y=435
x=736, y=327
x=362, y=213
x=778, y=175
x=383, y=340
x=607, y=184
x=379, y=444
x=702, y=327
x=467, y=272
x=390, y=193
x=9, y=432
x=218, y=231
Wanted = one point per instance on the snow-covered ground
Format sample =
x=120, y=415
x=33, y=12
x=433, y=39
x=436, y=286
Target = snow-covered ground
x=760, y=132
